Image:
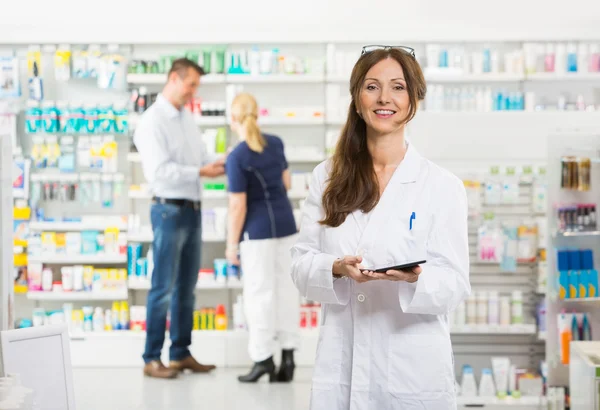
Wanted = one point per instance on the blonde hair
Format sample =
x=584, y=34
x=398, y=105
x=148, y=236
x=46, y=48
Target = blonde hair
x=244, y=110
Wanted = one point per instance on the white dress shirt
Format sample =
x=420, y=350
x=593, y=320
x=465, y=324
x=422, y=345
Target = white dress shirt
x=171, y=150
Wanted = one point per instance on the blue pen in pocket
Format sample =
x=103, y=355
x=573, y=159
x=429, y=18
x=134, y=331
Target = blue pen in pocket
x=412, y=217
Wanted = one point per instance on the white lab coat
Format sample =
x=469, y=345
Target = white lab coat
x=385, y=345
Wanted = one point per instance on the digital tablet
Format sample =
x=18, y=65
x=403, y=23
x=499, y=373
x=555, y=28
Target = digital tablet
x=404, y=266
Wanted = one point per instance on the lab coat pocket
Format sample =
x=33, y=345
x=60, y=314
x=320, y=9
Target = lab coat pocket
x=419, y=365
x=328, y=364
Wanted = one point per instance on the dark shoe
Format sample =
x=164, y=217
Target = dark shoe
x=286, y=370
x=189, y=363
x=258, y=370
x=155, y=368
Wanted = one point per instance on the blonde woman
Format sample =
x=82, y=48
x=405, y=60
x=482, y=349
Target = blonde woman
x=262, y=230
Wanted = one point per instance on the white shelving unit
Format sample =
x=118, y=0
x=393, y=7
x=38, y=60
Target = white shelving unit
x=585, y=142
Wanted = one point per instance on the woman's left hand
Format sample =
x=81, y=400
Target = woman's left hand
x=410, y=276
x=232, y=256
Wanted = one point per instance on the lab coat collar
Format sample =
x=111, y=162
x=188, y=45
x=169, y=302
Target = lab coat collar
x=408, y=170
x=167, y=107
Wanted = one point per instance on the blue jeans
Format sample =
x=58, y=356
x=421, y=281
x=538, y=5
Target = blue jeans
x=177, y=250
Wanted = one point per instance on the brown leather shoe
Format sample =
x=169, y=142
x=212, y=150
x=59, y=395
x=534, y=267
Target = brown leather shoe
x=189, y=363
x=155, y=368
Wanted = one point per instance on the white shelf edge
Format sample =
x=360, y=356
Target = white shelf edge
x=78, y=296
x=72, y=226
x=275, y=78
x=147, y=78
x=149, y=237
x=289, y=121
x=563, y=77
x=580, y=300
x=145, y=285
x=475, y=78
x=102, y=259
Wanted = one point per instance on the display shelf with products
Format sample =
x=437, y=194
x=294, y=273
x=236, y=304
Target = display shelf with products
x=572, y=298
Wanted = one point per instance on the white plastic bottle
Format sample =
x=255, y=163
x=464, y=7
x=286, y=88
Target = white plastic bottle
x=486, y=384
x=517, y=307
x=98, y=320
x=493, y=308
x=482, y=308
x=504, y=311
x=472, y=309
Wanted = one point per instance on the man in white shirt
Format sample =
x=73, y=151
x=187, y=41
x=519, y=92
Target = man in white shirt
x=174, y=160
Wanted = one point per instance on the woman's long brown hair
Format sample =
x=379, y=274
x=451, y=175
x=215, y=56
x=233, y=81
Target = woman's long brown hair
x=352, y=181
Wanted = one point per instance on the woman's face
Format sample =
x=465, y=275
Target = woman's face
x=384, y=102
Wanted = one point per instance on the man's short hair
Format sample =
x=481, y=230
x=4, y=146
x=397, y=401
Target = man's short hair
x=181, y=66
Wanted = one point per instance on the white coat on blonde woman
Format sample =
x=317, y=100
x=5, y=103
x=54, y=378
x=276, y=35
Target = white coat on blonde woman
x=383, y=344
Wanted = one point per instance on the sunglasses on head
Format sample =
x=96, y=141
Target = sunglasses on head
x=368, y=49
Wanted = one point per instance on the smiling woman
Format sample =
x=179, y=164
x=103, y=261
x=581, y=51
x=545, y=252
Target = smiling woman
x=384, y=341
x=386, y=86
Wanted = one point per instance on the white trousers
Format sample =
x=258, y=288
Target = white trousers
x=271, y=301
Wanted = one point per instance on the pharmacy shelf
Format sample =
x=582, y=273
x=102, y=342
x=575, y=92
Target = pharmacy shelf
x=79, y=296
x=145, y=285
x=289, y=121
x=147, y=237
x=147, y=79
x=577, y=233
x=523, y=329
x=73, y=226
x=563, y=77
x=474, y=78
x=91, y=259
x=274, y=78
x=507, y=402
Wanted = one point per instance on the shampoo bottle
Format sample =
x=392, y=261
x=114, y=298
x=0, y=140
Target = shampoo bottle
x=486, y=385
x=468, y=385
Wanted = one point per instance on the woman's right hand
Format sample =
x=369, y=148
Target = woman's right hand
x=350, y=266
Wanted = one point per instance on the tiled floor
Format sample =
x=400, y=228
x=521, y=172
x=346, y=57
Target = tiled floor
x=128, y=389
